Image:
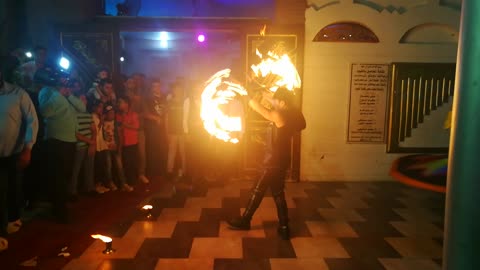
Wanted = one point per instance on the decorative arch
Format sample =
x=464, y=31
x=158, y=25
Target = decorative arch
x=430, y=33
x=346, y=32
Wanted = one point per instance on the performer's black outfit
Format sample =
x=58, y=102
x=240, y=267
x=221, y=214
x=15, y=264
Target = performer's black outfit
x=273, y=176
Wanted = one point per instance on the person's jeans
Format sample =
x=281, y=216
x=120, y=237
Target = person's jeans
x=10, y=191
x=82, y=160
x=114, y=161
x=130, y=161
x=176, y=143
x=60, y=156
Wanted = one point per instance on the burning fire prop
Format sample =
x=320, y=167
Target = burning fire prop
x=275, y=71
x=218, y=98
x=108, y=243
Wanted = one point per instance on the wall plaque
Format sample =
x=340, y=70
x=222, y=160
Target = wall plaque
x=368, y=98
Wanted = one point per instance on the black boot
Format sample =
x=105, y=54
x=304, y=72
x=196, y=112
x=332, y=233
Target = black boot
x=282, y=212
x=243, y=222
x=239, y=223
x=284, y=232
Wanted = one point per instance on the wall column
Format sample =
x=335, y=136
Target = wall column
x=462, y=214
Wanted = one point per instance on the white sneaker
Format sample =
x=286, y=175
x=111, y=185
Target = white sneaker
x=144, y=179
x=112, y=186
x=127, y=188
x=99, y=190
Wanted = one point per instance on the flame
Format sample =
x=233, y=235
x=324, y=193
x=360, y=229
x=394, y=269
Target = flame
x=263, y=30
x=147, y=207
x=104, y=238
x=220, y=93
x=258, y=53
x=276, y=71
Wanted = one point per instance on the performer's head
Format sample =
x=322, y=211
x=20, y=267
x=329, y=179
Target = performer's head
x=283, y=98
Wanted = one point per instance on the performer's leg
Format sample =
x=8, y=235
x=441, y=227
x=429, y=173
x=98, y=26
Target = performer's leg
x=278, y=193
x=243, y=223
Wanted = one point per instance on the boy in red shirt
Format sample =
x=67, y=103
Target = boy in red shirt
x=129, y=124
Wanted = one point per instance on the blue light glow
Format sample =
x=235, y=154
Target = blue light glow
x=64, y=63
x=29, y=54
x=163, y=44
x=164, y=36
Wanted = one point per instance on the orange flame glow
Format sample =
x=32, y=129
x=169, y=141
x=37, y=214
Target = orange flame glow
x=276, y=71
x=219, y=93
x=104, y=238
x=263, y=30
x=147, y=207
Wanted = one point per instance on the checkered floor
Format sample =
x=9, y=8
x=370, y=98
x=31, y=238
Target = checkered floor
x=335, y=225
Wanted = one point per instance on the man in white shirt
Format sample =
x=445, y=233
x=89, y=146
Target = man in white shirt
x=18, y=133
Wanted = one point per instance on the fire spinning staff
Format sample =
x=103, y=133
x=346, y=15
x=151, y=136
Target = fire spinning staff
x=218, y=98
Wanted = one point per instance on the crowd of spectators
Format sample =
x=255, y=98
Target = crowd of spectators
x=62, y=138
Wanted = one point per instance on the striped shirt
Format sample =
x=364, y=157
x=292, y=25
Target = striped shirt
x=84, y=121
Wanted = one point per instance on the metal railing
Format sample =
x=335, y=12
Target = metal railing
x=417, y=90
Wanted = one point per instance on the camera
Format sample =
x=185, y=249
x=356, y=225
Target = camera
x=52, y=77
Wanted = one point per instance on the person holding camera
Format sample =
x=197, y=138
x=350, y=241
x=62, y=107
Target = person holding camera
x=59, y=109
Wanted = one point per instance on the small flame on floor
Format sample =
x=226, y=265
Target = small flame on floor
x=147, y=207
x=104, y=238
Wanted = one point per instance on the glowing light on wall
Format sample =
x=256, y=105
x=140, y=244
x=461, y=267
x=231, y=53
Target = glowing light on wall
x=122, y=59
x=29, y=54
x=201, y=38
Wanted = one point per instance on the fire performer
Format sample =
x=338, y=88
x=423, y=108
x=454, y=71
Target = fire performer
x=288, y=120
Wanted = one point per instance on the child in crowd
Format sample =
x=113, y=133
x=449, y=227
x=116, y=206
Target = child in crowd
x=129, y=124
x=176, y=125
x=101, y=151
x=110, y=135
x=84, y=154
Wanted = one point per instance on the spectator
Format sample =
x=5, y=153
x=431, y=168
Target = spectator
x=103, y=183
x=176, y=129
x=134, y=94
x=102, y=74
x=129, y=124
x=155, y=133
x=84, y=154
x=140, y=83
x=59, y=109
x=130, y=88
x=103, y=92
x=198, y=139
x=29, y=69
x=110, y=135
x=18, y=131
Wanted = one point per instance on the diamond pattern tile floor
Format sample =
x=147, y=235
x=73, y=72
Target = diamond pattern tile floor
x=334, y=226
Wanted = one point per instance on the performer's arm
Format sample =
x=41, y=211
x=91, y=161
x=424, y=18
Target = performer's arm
x=273, y=116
